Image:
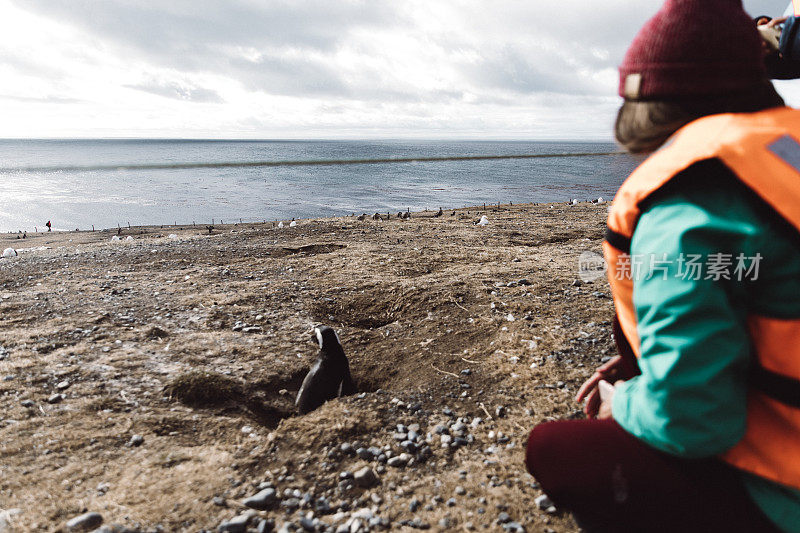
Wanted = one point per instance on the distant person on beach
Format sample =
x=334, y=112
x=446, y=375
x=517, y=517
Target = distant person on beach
x=49, y=226
x=695, y=426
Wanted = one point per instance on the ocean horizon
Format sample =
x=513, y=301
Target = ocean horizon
x=104, y=183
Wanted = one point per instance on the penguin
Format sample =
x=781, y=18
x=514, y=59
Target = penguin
x=329, y=376
x=438, y=213
x=362, y=216
x=376, y=216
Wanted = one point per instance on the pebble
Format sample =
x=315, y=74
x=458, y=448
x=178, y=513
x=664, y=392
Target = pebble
x=27, y=403
x=544, y=503
x=237, y=524
x=397, y=461
x=55, y=398
x=292, y=503
x=460, y=490
x=503, y=518
x=366, y=477
x=514, y=527
x=307, y=524
x=62, y=385
x=262, y=500
x=414, y=505
x=265, y=526
x=85, y=522
x=136, y=440
x=366, y=454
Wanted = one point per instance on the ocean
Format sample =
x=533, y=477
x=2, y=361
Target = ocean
x=78, y=184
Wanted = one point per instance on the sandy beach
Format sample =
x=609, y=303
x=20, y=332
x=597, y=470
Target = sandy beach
x=152, y=380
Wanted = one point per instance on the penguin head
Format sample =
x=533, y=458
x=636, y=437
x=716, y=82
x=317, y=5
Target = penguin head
x=326, y=337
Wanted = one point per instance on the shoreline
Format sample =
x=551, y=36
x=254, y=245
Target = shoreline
x=58, y=235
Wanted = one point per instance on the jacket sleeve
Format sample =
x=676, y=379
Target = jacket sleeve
x=690, y=399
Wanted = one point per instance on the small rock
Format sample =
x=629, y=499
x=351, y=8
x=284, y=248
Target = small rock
x=414, y=505
x=500, y=412
x=27, y=403
x=366, y=477
x=503, y=518
x=397, y=461
x=544, y=503
x=291, y=503
x=365, y=453
x=265, y=526
x=55, y=398
x=62, y=385
x=262, y=500
x=219, y=501
x=85, y=522
x=237, y=524
x=460, y=490
x=307, y=524
x=136, y=440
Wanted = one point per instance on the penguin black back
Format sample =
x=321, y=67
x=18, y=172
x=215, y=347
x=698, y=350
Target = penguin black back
x=329, y=376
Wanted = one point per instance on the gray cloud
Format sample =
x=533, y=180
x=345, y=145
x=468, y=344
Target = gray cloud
x=178, y=92
x=285, y=47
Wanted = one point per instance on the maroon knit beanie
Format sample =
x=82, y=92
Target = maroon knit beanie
x=693, y=48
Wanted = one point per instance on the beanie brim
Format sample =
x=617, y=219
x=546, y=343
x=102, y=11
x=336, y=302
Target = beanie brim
x=679, y=80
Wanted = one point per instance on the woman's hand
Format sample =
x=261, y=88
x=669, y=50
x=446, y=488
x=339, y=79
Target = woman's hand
x=610, y=371
x=606, y=391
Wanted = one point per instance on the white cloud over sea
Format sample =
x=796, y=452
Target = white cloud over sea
x=518, y=69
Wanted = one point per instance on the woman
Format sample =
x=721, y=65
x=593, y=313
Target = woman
x=703, y=250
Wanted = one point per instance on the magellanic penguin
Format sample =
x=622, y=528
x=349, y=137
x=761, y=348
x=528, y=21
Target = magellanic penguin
x=329, y=376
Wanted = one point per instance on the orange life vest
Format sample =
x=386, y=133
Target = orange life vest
x=763, y=150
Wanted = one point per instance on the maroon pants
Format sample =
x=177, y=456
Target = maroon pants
x=612, y=481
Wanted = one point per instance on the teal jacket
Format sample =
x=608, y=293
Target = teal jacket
x=690, y=400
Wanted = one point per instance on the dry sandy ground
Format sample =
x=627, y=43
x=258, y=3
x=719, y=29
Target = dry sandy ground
x=425, y=313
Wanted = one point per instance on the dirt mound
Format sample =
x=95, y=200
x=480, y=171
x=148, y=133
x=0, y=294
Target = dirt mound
x=199, y=345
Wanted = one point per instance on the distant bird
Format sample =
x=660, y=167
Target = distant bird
x=210, y=229
x=453, y=214
x=484, y=221
x=376, y=216
x=362, y=216
x=9, y=252
x=293, y=223
x=399, y=214
x=280, y=224
x=329, y=376
x=438, y=213
x=406, y=215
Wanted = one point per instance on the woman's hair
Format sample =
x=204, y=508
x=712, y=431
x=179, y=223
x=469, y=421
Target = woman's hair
x=643, y=126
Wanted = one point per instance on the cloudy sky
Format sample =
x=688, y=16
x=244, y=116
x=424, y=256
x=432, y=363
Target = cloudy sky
x=521, y=69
